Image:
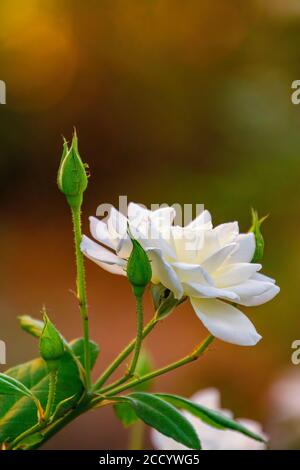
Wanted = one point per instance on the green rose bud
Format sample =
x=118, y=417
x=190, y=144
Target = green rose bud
x=259, y=241
x=51, y=345
x=31, y=325
x=139, y=270
x=72, y=178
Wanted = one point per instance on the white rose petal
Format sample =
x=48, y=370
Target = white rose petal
x=100, y=232
x=103, y=257
x=235, y=273
x=245, y=249
x=163, y=272
x=225, y=322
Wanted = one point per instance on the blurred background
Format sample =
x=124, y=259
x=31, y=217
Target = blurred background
x=186, y=102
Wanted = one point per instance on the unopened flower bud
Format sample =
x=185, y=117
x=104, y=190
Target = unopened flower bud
x=259, y=241
x=72, y=178
x=139, y=270
x=51, y=345
x=31, y=325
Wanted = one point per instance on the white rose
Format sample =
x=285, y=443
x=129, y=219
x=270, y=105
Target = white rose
x=212, y=438
x=198, y=261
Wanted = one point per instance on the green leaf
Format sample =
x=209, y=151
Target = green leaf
x=164, y=417
x=77, y=348
x=213, y=418
x=124, y=411
x=18, y=413
x=11, y=386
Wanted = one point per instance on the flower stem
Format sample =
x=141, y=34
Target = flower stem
x=198, y=351
x=139, y=336
x=120, y=358
x=51, y=394
x=81, y=292
x=35, y=428
x=137, y=346
x=136, y=436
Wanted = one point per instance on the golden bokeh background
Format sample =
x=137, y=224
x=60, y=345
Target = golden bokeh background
x=173, y=101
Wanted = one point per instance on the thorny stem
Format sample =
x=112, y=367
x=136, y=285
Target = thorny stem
x=137, y=347
x=81, y=293
x=51, y=394
x=139, y=335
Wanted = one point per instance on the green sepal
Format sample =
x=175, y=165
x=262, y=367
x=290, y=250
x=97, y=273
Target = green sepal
x=259, y=240
x=164, y=301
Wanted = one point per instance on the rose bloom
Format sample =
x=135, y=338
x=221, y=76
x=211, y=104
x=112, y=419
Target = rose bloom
x=209, y=265
x=213, y=438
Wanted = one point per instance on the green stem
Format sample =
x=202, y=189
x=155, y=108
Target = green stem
x=25, y=434
x=120, y=358
x=51, y=394
x=81, y=292
x=114, y=384
x=139, y=335
x=136, y=436
x=198, y=351
x=137, y=347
